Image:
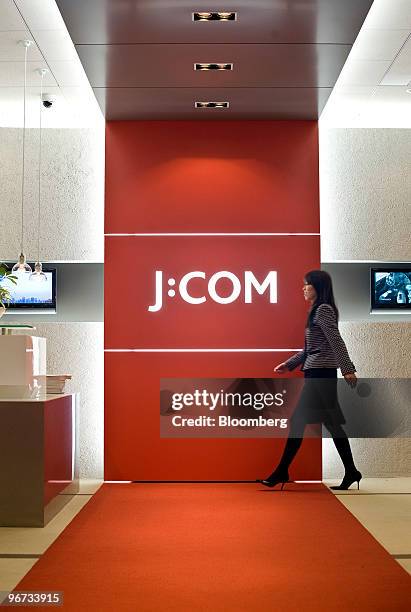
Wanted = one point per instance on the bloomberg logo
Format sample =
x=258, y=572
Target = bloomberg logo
x=250, y=283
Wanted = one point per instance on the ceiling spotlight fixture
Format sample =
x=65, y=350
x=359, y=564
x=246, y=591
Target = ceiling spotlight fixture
x=211, y=104
x=213, y=66
x=408, y=91
x=215, y=16
x=202, y=16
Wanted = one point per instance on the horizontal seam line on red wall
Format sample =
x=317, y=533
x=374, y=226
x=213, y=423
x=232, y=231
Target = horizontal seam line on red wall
x=215, y=234
x=202, y=350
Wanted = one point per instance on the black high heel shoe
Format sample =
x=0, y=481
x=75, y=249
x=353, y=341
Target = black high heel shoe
x=275, y=479
x=348, y=480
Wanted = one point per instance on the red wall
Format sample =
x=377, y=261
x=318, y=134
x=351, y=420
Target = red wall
x=202, y=177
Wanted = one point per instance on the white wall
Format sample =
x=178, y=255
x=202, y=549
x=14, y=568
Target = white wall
x=72, y=203
x=365, y=193
x=79, y=350
x=379, y=350
x=72, y=230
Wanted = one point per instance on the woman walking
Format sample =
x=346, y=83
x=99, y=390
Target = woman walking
x=324, y=352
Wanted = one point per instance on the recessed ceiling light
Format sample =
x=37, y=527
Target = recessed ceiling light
x=215, y=16
x=199, y=66
x=408, y=91
x=211, y=104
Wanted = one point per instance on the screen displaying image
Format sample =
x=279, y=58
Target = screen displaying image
x=391, y=288
x=31, y=291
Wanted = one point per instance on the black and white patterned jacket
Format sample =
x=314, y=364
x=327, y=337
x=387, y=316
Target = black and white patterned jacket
x=324, y=347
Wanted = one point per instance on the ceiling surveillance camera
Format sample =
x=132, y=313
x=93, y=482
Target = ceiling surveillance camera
x=48, y=100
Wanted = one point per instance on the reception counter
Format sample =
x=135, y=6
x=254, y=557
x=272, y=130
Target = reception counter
x=38, y=458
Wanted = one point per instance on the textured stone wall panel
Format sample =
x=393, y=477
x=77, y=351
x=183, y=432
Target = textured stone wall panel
x=72, y=202
x=365, y=194
x=378, y=350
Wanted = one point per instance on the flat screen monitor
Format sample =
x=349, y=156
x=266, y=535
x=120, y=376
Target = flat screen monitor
x=35, y=294
x=391, y=289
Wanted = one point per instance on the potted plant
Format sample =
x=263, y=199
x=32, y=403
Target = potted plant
x=5, y=295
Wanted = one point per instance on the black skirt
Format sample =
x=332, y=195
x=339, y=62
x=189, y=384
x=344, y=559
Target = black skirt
x=318, y=402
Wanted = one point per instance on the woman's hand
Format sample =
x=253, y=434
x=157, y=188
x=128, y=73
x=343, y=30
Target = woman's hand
x=351, y=379
x=281, y=368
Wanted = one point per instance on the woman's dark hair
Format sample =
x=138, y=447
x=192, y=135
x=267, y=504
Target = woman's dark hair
x=322, y=283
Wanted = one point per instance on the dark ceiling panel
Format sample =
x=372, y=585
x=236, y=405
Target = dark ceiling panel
x=168, y=103
x=173, y=65
x=169, y=21
x=139, y=55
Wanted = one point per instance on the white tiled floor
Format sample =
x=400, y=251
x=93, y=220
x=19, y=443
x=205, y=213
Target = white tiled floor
x=34, y=541
x=27, y=540
x=91, y=486
x=383, y=506
x=375, y=485
x=12, y=571
x=385, y=517
x=406, y=563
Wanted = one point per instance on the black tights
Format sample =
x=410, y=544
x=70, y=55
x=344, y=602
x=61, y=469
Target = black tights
x=295, y=439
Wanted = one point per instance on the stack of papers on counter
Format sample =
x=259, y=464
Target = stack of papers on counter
x=56, y=382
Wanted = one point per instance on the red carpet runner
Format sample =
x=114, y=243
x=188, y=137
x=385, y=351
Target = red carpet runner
x=212, y=547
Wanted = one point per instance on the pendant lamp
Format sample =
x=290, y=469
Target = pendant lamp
x=38, y=274
x=22, y=266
